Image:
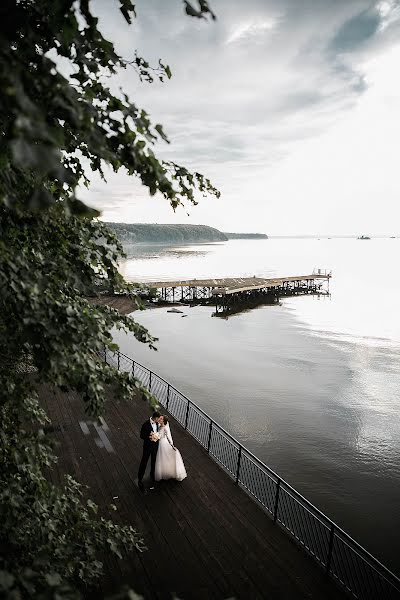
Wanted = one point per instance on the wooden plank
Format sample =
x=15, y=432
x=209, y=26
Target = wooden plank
x=235, y=282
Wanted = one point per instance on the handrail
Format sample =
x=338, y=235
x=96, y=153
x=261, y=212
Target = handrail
x=336, y=562
x=325, y=272
x=186, y=398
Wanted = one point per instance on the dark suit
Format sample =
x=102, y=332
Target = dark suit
x=149, y=450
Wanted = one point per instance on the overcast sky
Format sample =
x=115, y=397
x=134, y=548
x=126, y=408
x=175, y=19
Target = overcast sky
x=291, y=107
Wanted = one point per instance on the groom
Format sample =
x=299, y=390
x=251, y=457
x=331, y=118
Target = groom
x=150, y=448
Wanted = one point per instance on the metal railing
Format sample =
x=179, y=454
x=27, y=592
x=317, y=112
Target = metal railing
x=342, y=558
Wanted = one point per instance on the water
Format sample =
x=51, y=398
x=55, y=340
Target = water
x=312, y=387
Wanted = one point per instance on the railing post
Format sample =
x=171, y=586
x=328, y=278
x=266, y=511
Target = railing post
x=209, y=437
x=150, y=382
x=118, y=360
x=238, y=464
x=105, y=354
x=167, y=396
x=278, y=487
x=330, y=549
x=133, y=368
x=187, y=414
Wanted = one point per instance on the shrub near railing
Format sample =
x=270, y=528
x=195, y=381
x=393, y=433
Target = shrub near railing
x=348, y=563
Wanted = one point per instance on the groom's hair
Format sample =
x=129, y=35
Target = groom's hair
x=165, y=419
x=156, y=414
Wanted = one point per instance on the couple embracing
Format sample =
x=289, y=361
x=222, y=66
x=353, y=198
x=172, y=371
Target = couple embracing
x=166, y=460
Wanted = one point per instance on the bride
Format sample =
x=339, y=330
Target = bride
x=169, y=463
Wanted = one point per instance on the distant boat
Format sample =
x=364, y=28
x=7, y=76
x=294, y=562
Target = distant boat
x=363, y=237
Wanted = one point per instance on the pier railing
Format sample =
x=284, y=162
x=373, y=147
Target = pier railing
x=324, y=272
x=342, y=558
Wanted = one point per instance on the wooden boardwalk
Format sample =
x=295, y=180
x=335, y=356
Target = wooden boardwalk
x=236, y=284
x=206, y=538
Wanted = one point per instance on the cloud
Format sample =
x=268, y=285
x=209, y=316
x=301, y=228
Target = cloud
x=389, y=13
x=356, y=31
x=250, y=31
x=261, y=85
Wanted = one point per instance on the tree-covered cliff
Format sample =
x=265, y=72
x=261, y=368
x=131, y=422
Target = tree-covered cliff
x=133, y=233
x=246, y=236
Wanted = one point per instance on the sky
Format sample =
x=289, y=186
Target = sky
x=290, y=107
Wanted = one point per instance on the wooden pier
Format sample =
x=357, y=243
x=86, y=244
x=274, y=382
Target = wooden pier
x=206, y=538
x=235, y=293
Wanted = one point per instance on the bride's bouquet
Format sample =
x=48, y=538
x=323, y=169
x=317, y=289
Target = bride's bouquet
x=154, y=437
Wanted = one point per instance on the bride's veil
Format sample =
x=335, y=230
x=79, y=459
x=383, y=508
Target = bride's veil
x=168, y=432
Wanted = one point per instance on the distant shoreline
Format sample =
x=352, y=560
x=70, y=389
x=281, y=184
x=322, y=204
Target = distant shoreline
x=134, y=233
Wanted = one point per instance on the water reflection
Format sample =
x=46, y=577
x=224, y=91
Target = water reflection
x=151, y=251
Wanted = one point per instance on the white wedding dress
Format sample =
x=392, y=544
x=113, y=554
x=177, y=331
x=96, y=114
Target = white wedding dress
x=169, y=463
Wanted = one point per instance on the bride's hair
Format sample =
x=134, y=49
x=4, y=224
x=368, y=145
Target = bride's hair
x=165, y=420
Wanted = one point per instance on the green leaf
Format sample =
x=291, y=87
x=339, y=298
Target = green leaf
x=6, y=580
x=41, y=199
x=35, y=155
x=92, y=506
x=80, y=209
x=127, y=8
x=53, y=579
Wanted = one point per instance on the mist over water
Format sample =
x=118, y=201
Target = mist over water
x=312, y=387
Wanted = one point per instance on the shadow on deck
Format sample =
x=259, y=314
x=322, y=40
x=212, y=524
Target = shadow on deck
x=206, y=538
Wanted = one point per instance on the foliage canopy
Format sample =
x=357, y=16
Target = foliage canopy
x=52, y=252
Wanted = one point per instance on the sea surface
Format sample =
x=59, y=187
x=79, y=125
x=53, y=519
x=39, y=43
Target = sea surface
x=311, y=386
